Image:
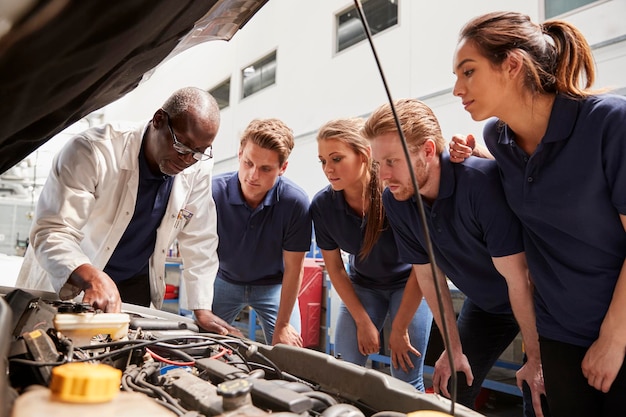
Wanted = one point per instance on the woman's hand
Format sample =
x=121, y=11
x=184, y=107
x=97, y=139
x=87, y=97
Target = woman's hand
x=461, y=147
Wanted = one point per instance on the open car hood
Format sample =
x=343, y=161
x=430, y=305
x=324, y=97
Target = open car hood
x=62, y=59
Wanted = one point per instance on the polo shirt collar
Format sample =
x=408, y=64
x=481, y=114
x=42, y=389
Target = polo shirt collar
x=272, y=197
x=144, y=170
x=561, y=123
x=446, y=180
x=339, y=202
x=235, y=196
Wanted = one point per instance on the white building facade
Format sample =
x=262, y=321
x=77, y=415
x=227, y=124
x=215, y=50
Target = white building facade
x=302, y=62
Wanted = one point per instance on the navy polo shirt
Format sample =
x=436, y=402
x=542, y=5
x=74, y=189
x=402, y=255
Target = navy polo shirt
x=132, y=254
x=569, y=195
x=251, y=241
x=337, y=226
x=469, y=223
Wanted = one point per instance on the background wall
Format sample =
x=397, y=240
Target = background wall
x=314, y=84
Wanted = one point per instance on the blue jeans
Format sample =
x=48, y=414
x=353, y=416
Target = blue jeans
x=378, y=304
x=229, y=299
x=484, y=336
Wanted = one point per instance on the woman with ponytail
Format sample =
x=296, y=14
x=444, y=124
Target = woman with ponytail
x=561, y=151
x=349, y=216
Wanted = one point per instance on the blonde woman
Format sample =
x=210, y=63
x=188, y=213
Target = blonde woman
x=348, y=216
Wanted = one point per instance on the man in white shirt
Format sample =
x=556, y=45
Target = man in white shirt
x=116, y=199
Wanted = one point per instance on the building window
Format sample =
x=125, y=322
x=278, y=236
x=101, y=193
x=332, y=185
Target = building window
x=556, y=7
x=380, y=15
x=221, y=93
x=259, y=75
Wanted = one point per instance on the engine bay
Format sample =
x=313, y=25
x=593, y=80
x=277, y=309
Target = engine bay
x=166, y=360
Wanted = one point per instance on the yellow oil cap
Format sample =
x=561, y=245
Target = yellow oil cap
x=80, y=382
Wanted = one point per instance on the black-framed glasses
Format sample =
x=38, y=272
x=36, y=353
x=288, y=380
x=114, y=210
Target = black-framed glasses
x=183, y=149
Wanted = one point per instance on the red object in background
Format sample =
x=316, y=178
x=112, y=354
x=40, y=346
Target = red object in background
x=171, y=292
x=310, y=301
x=482, y=398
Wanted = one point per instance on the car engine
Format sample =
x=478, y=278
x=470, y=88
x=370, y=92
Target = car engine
x=170, y=367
